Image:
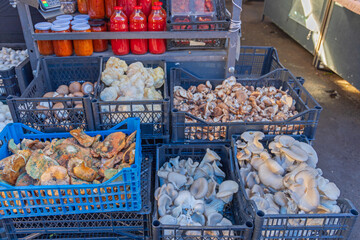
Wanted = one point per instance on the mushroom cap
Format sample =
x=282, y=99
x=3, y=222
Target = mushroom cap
x=48, y=95
x=211, y=190
x=296, y=153
x=286, y=141
x=217, y=171
x=209, y=157
x=168, y=220
x=313, y=158
x=199, y=188
x=229, y=185
x=87, y=87
x=163, y=204
x=75, y=87
x=177, y=179
x=63, y=89
x=55, y=175
x=330, y=190
x=214, y=218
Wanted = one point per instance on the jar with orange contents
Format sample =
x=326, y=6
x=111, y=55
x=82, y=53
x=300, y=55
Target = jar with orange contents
x=62, y=48
x=82, y=47
x=98, y=25
x=82, y=6
x=45, y=47
x=96, y=9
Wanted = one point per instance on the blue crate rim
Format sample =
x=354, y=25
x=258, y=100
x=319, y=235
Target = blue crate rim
x=7, y=187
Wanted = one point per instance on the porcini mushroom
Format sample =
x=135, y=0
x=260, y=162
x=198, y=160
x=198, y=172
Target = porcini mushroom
x=75, y=87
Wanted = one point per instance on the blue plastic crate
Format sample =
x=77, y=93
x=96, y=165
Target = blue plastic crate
x=109, y=196
x=280, y=226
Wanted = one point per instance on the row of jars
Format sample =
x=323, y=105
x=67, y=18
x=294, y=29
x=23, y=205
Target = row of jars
x=118, y=23
x=99, y=9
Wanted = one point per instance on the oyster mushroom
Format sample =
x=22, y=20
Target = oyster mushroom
x=252, y=139
x=209, y=157
x=226, y=190
x=163, y=204
x=177, y=179
x=199, y=188
x=55, y=175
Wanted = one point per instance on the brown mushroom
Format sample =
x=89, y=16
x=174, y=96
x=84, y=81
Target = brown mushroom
x=63, y=89
x=48, y=95
x=55, y=175
x=75, y=87
x=42, y=113
x=60, y=114
x=25, y=180
x=11, y=166
x=84, y=139
x=78, y=94
x=85, y=173
x=87, y=87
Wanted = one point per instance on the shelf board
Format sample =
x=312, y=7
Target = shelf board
x=171, y=56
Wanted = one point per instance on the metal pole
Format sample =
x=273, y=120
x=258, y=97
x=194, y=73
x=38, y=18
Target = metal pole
x=27, y=28
x=234, y=39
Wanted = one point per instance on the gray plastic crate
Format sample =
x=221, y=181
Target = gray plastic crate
x=154, y=118
x=55, y=71
x=202, y=131
x=254, y=62
x=113, y=225
x=234, y=211
x=279, y=226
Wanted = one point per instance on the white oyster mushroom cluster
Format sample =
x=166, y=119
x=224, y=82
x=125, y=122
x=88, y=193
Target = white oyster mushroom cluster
x=133, y=82
x=193, y=193
x=285, y=181
x=11, y=58
x=5, y=116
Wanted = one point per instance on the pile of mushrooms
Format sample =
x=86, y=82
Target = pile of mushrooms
x=5, y=116
x=75, y=89
x=193, y=193
x=232, y=102
x=11, y=58
x=286, y=180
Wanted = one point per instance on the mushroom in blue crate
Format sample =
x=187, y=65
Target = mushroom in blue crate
x=194, y=193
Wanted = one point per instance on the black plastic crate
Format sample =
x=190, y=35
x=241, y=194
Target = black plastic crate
x=234, y=211
x=154, y=118
x=113, y=225
x=254, y=62
x=53, y=73
x=181, y=44
x=280, y=226
x=201, y=131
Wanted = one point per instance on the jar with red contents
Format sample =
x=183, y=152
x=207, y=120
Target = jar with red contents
x=146, y=6
x=156, y=23
x=45, y=47
x=98, y=25
x=62, y=48
x=109, y=8
x=119, y=23
x=83, y=47
x=82, y=6
x=162, y=9
x=138, y=24
x=96, y=9
x=128, y=6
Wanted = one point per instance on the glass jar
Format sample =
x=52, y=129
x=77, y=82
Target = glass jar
x=96, y=9
x=61, y=22
x=62, y=48
x=99, y=45
x=138, y=24
x=162, y=9
x=82, y=47
x=109, y=8
x=146, y=6
x=82, y=6
x=45, y=47
x=156, y=23
x=68, y=6
x=119, y=23
x=82, y=16
x=64, y=17
x=128, y=6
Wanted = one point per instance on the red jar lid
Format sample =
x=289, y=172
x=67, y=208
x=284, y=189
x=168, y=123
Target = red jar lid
x=118, y=8
x=156, y=8
x=138, y=7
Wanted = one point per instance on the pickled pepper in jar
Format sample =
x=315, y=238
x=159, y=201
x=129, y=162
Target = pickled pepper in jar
x=82, y=6
x=109, y=7
x=119, y=23
x=146, y=6
x=99, y=45
x=62, y=48
x=138, y=24
x=156, y=23
x=96, y=9
x=46, y=46
x=82, y=47
x=128, y=6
